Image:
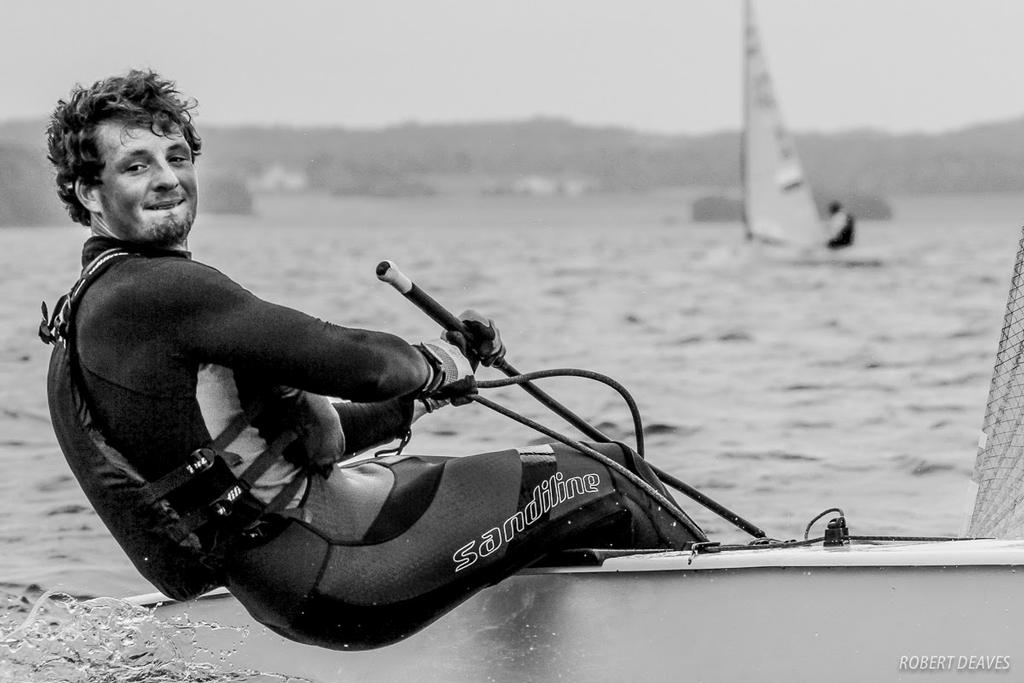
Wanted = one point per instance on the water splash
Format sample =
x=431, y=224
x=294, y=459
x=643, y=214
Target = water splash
x=112, y=641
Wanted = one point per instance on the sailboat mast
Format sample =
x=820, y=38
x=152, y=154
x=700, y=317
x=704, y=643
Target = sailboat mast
x=745, y=118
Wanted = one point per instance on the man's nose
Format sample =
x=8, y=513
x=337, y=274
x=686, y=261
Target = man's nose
x=164, y=176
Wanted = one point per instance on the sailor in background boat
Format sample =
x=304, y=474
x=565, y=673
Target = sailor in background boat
x=195, y=417
x=841, y=224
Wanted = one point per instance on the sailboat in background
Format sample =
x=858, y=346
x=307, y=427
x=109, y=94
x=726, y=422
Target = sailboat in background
x=777, y=201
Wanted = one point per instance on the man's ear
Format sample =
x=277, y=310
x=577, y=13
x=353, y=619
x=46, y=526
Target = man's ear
x=89, y=195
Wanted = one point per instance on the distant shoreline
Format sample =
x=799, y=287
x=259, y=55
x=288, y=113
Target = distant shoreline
x=544, y=156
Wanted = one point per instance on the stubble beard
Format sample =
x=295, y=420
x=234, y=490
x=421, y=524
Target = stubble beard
x=170, y=232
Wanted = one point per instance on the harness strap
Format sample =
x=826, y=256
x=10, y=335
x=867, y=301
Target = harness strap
x=200, y=460
x=284, y=496
x=236, y=426
x=231, y=432
x=274, y=452
x=57, y=327
x=276, y=507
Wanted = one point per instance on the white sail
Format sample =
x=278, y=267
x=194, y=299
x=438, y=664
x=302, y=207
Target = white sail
x=998, y=481
x=778, y=203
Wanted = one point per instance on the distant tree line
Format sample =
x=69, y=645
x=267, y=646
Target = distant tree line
x=414, y=159
x=977, y=159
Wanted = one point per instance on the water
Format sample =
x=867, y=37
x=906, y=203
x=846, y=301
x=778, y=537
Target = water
x=779, y=387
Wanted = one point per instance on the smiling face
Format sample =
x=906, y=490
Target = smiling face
x=147, y=191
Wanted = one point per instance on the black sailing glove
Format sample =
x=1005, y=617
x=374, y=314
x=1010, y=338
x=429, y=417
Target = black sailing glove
x=482, y=341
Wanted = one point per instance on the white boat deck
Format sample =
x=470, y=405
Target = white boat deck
x=856, y=613
x=925, y=554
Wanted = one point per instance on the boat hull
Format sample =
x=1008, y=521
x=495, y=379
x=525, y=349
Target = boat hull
x=879, y=613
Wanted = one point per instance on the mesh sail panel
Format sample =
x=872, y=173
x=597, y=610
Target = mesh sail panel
x=999, y=469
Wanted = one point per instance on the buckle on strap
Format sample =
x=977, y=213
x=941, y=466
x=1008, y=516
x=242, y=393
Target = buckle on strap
x=228, y=500
x=54, y=328
x=199, y=460
x=224, y=504
x=224, y=508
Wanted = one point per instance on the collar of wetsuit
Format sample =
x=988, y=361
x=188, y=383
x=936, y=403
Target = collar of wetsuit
x=96, y=245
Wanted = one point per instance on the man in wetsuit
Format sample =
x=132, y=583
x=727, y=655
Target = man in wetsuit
x=172, y=358
x=841, y=225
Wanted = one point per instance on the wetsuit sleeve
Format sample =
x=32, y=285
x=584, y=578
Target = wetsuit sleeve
x=218, y=321
x=371, y=424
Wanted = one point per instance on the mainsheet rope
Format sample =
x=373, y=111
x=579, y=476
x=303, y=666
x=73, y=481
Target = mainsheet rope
x=388, y=272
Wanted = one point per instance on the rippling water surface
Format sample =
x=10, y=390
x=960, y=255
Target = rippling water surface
x=779, y=385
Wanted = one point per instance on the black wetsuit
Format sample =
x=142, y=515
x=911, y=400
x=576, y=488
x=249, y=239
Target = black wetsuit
x=170, y=349
x=844, y=236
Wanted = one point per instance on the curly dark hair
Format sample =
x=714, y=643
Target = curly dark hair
x=139, y=98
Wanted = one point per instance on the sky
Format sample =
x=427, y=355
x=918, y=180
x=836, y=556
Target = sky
x=670, y=66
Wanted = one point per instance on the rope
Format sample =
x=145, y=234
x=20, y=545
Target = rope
x=523, y=380
x=671, y=507
x=526, y=377
x=776, y=544
x=807, y=531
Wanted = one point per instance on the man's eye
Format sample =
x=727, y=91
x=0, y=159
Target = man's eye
x=135, y=168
